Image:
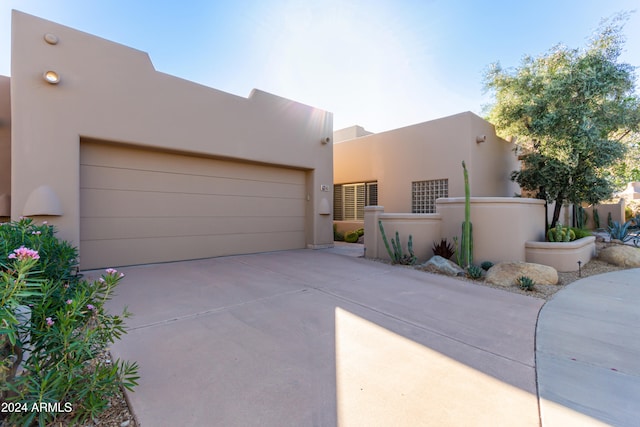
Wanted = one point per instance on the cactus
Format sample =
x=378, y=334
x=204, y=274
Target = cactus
x=561, y=234
x=397, y=256
x=596, y=218
x=581, y=217
x=474, y=271
x=526, y=283
x=467, y=242
x=463, y=243
x=486, y=265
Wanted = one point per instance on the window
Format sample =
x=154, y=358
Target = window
x=425, y=193
x=349, y=200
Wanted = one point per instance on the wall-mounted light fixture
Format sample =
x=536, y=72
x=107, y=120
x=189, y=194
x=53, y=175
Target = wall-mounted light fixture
x=325, y=140
x=42, y=201
x=51, y=77
x=51, y=38
x=481, y=138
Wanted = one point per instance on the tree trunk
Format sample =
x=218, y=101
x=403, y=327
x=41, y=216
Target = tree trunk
x=556, y=211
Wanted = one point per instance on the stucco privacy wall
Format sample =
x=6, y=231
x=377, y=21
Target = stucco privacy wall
x=426, y=151
x=110, y=92
x=501, y=227
x=5, y=147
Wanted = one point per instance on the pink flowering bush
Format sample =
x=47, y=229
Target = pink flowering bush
x=68, y=328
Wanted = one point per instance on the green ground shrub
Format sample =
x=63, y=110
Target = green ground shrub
x=67, y=329
x=351, y=236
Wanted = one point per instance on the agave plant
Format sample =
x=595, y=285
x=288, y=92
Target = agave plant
x=620, y=231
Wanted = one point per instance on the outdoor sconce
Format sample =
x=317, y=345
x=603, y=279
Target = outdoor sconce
x=481, y=138
x=324, y=208
x=325, y=140
x=51, y=38
x=42, y=201
x=51, y=77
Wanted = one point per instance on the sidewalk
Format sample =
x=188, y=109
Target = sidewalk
x=588, y=352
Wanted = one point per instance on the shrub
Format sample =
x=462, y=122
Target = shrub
x=581, y=232
x=486, y=265
x=351, y=237
x=67, y=329
x=526, y=283
x=443, y=249
x=337, y=236
x=628, y=213
x=360, y=232
x=474, y=271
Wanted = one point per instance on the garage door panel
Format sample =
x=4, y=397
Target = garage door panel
x=120, y=157
x=133, y=228
x=100, y=203
x=154, y=181
x=140, y=206
x=115, y=253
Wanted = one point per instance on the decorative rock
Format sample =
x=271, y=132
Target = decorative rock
x=621, y=255
x=438, y=264
x=506, y=273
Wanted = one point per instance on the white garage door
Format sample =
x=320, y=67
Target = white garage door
x=141, y=206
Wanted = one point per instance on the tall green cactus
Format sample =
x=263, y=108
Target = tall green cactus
x=466, y=243
x=397, y=256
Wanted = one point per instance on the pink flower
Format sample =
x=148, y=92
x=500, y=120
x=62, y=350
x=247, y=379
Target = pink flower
x=121, y=275
x=45, y=222
x=37, y=233
x=91, y=307
x=49, y=321
x=66, y=286
x=111, y=271
x=24, y=253
x=69, y=301
x=101, y=280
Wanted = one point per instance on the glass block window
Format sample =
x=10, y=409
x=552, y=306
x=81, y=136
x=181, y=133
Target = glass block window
x=349, y=200
x=425, y=193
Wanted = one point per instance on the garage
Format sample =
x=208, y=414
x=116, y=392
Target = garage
x=141, y=206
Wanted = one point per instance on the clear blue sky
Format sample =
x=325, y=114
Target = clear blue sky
x=381, y=64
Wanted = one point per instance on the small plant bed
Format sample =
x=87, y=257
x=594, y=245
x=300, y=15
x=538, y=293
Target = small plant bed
x=546, y=292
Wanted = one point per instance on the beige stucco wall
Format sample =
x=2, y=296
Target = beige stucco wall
x=501, y=225
x=425, y=151
x=113, y=93
x=5, y=146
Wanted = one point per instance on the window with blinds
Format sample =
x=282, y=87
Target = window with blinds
x=425, y=193
x=349, y=200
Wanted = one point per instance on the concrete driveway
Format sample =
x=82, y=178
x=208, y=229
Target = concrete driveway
x=313, y=338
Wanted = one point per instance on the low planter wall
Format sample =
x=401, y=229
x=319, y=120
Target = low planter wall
x=424, y=228
x=563, y=256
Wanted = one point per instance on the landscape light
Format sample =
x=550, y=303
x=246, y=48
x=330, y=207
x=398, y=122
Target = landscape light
x=51, y=77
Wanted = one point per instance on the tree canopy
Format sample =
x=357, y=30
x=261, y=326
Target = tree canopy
x=574, y=114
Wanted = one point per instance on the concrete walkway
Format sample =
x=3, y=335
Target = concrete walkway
x=588, y=353
x=312, y=338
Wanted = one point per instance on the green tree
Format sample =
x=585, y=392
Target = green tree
x=569, y=111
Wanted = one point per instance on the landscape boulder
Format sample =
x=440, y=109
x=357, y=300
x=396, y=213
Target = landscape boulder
x=438, y=264
x=621, y=255
x=506, y=273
